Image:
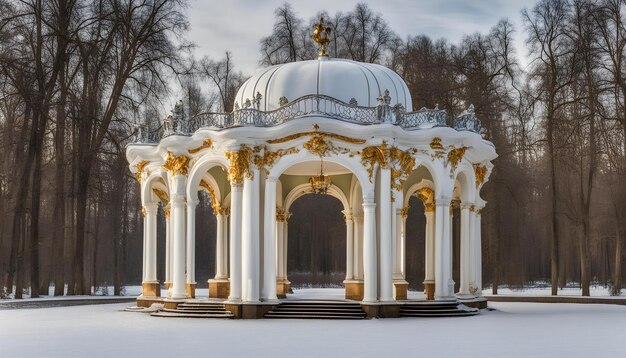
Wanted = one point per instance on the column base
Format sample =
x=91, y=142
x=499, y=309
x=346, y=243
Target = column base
x=151, y=289
x=283, y=287
x=400, y=288
x=190, y=288
x=354, y=290
x=429, y=290
x=219, y=288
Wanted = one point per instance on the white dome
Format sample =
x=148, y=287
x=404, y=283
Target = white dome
x=338, y=78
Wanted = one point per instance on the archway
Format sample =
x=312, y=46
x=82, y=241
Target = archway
x=317, y=242
x=293, y=183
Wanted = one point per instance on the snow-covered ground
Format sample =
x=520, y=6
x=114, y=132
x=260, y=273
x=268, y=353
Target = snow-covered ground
x=594, y=291
x=512, y=330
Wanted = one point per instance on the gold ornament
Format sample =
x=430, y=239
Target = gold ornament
x=208, y=143
x=166, y=211
x=162, y=195
x=321, y=35
x=456, y=155
x=176, y=164
x=269, y=158
x=214, y=202
x=481, y=173
x=140, y=167
x=239, y=165
x=143, y=212
x=427, y=196
x=405, y=211
x=435, y=144
x=280, y=214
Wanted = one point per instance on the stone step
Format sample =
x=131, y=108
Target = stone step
x=223, y=315
x=340, y=313
x=455, y=314
x=311, y=316
x=208, y=311
x=221, y=307
x=298, y=307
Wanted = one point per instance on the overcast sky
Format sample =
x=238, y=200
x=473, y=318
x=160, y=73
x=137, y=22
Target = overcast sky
x=238, y=25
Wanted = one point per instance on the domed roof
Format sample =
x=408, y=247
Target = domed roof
x=345, y=80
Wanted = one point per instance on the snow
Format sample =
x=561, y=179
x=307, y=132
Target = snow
x=594, y=291
x=512, y=330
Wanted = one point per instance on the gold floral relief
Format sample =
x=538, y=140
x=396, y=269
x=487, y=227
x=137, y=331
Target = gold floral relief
x=176, y=164
x=481, y=173
x=268, y=158
x=140, y=167
x=239, y=167
x=455, y=156
x=435, y=144
x=209, y=189
x=405, y=211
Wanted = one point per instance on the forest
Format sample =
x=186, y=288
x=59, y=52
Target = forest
x=78, y=77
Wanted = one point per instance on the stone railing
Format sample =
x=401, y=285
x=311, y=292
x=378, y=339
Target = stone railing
x=312, y=105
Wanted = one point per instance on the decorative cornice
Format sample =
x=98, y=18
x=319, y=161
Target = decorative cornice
x=316, y=133
x=240, y=163
x=208, y=143
x=176, y=164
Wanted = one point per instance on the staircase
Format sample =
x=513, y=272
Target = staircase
x=317, y=310
x=436, y=309
x=196, y=310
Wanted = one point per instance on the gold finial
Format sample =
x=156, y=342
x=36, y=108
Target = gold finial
x=321, y=35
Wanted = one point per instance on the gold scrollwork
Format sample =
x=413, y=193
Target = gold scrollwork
x=214, y=202
x=427, y=196
x=162, y=195
x=316, y=132
x=140, y=167
x=239, y=167
x=455, y=156
x=176, y=164
x=208, y=143
x=399, y=161
x=405, y=211
x=143, y=212
x=280, y=214
x=268, y=158
x=481, y=173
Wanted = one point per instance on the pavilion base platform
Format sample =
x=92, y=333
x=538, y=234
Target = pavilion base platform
x=151, y=289
x=354, y=290
x=474, y=302
x=283, y=287
x=400, y=288
x=190, y=288
x=219, y=288
x=146, y=302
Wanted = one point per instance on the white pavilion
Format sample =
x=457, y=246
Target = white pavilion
x=326, y=126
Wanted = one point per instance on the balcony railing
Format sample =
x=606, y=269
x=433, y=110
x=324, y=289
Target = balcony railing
x=312, y=105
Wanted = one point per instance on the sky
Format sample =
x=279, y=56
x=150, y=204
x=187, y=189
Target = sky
x=238, y=25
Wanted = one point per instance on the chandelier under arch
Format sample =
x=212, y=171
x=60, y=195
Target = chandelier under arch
x=320, y=183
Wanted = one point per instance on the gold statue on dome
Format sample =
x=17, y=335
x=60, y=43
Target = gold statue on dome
x=321, y=35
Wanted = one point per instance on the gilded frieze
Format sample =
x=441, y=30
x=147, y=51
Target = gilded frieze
x=176, y=164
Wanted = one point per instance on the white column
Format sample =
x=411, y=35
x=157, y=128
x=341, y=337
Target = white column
x=145, y=245
x=472, y=252
x=464, y=288
x=429, y=252
x=349, y=244
x=358, y=247
x=285, y=247
x=269, y=241
x=280, y=230
x=386, y=252
x=478, y=248
x=398, y=271
x=236, y=196
x=250, y=240
x=151, y=243
x=191, y=241
x=444, y=286
x=219, y=245
x=168, y=246
x=178, y=216
x=369, y=250
x=225, y=233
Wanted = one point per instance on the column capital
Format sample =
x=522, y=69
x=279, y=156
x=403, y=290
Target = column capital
x=347, y=214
